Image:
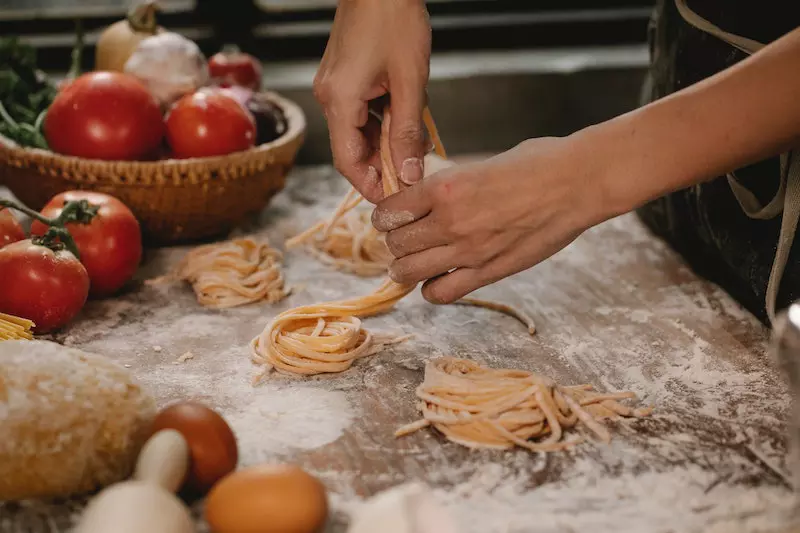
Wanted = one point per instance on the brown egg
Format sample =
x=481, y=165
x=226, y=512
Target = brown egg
x=212, y=446
x=267, y=499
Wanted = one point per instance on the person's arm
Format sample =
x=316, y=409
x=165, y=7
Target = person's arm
x=376, y=48
x=746, y=113
x=471, y=225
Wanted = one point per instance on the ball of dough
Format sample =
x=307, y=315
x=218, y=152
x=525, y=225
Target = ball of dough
x=70, y=421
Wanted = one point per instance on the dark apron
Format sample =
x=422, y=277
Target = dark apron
x=728, y=229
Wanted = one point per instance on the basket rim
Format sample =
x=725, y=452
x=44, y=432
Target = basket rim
x=296, y=129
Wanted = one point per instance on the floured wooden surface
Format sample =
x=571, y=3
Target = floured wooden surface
x=616, y=309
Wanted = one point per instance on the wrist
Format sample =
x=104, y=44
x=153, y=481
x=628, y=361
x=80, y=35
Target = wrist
x=610, y=189
x=645, y=154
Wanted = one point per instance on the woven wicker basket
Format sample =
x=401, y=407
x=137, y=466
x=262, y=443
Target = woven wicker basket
x=174, y=200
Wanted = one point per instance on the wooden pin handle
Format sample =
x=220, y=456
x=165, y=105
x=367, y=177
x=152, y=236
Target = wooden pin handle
x=164, y=460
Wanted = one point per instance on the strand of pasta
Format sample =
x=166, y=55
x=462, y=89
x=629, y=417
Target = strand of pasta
x=15, y=328
x=347, y=241
x=234, y=273
x=502, y=308
x=328, y=337
x=481, y=407
x=325, y=337
x=358, y=248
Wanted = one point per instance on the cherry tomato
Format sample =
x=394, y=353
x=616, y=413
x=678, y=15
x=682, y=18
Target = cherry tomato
x=10, y=229
x=232, y=67
x=39, y=284
x=110, y=245
x=104, y=115
x=208, y=123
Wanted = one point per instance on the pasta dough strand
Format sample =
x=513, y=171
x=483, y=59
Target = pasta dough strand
x=15, y=328
x=328, y=337
x=234, y=273
x=481, y=407
x=502, y=308
x=347, y=241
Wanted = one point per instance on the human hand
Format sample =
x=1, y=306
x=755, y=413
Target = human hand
x=471, y=225
x=375, y=48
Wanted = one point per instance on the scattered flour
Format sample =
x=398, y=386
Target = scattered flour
x=287, y=418
x=498, y=500
x=637, y=320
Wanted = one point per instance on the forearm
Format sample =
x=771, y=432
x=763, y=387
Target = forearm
x=739, y=116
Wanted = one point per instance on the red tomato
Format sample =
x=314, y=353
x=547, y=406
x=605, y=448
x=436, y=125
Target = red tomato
x=110, y=246
x=232, y=67
x=10, y=230
x=104, y=115
x=208, y=123
x=39, y=284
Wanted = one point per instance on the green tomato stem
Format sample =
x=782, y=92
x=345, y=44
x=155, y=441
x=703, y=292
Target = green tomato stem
x=75, y=211
x=23, y=209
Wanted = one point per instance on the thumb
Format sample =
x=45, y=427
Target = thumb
x=406, y=136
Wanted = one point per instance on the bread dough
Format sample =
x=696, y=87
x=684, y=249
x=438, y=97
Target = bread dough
x=409, y=508
x=70, y=421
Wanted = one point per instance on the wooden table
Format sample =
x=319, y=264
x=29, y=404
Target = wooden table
x=616, y=309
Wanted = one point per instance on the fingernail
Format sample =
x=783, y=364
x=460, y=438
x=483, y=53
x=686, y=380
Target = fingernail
x=411, y=172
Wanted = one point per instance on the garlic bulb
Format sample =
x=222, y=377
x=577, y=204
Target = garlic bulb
x=170, y=65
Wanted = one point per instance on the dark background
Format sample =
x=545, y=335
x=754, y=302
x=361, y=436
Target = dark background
x=297, y=29
x=502, y=71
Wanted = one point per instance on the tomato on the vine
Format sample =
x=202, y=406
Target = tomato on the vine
x=208, y=123
x=110, y=246
x=233, y=67
x=10, y=228
x=104, y=115
x=45, y=286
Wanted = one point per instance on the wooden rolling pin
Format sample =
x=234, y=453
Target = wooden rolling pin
x=147, y=502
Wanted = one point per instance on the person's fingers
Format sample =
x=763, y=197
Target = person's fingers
x=416, y=237
x=406, y=133
x=453, y=286
x=513, y=258
x=372, y=132
x=351, y=148
x=424, y=265
x=402, y=208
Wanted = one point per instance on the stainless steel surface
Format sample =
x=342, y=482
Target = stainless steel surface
x=467, y=21
x=786, y=350
x=491, y=101
x=54, y=40
x=31, y=9
x=294, y=5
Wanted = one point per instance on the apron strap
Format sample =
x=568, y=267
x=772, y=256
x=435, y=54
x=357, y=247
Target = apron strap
x=791, y=214
x=748, y=46
x=751, y=206
x=787, y=198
